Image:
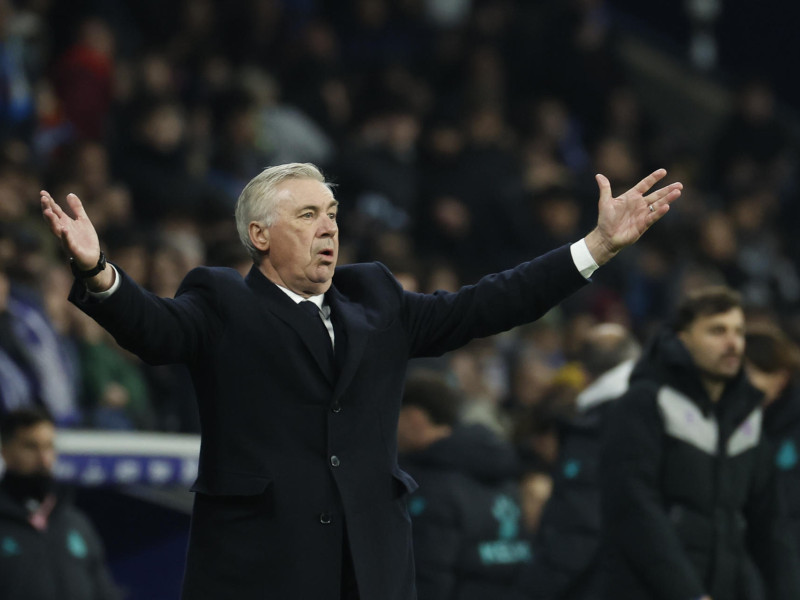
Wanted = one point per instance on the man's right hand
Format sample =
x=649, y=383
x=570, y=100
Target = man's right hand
x=78, y=237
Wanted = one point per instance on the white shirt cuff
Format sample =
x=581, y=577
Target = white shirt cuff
x=583, y=258
x=114, y=286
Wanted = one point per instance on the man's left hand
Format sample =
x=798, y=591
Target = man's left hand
x=622, y=220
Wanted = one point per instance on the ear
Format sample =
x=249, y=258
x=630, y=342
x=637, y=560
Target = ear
x=259, y=236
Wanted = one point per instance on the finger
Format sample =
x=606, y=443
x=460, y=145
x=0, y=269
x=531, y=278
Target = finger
x=604, y=185
x=668, y=196
x=48, y=202
x=649, y=181
x=52, y=221
x=77, y=206
x=656, y=214
x=663, y=192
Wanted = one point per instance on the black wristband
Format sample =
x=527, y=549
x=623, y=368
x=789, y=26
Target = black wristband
x=101, y=264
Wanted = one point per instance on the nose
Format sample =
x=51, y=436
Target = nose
x=328, y=227
x=47, y=460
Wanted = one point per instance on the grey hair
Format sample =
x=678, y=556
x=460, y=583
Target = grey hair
x=258, y=201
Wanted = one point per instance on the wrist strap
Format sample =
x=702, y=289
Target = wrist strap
x=101, y=264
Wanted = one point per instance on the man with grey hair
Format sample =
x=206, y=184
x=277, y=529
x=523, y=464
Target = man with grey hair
x=299, y=371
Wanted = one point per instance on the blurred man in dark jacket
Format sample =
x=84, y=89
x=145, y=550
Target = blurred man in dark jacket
x=466, y=515
x=566, y=557
x=48, y=549
x=773, y=364
x=688, y=488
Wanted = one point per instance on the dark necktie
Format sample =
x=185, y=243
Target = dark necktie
x=323, y=337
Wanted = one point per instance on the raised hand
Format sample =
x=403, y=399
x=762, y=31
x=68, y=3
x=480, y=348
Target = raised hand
x=77, y=235
x=622, y=220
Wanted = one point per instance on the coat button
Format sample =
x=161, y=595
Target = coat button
x=336, y=407
x=335, y=462
x=325, y=518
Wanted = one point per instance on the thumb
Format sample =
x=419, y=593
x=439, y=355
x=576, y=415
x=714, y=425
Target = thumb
x=604, y=186
x=77, y=206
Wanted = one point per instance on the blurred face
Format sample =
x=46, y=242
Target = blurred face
x=772, y=384
x=32, y=450
x=302, y=244
x=716, y=344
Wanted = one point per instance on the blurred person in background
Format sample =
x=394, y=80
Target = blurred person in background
x=772, y=360
x=567, y=545
x=689, y=489
x=466, y=515
x=35, y=368
x=299, y=404
x=48, y=549
x=114, y=392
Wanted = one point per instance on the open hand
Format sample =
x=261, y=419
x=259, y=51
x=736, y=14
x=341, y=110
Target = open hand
x=77, y=235
x=622, y=220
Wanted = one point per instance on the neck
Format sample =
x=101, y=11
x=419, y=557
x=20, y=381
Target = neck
x=714, y=387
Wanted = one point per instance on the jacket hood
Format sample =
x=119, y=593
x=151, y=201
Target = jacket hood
x=666, y=361
x=474, y=450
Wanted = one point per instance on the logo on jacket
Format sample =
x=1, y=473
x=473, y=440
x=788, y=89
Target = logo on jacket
x=507, y=513
x=571, y=468
x=507, y=549
x=76, y=544
x=10, y=547
x=786, y=458
x=416, y=505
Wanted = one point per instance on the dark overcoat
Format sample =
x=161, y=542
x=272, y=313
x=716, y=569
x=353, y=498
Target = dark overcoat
x=291, y=452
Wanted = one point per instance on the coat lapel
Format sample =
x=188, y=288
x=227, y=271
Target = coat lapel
x=287, y=311
x=354, y=321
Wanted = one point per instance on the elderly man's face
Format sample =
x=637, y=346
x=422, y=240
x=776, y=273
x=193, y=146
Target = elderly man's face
x=303, y=242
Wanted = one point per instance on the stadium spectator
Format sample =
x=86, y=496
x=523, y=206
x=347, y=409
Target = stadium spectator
x=34, y=369
x=773, y=364
x=469, y=538
x=565, y=565
x=48, y=549
x=688, y=487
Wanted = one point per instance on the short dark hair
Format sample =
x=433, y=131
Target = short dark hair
x=704, y=302
x=770, y=350
x=21, y=418
x=430, y=391
x=606, y=346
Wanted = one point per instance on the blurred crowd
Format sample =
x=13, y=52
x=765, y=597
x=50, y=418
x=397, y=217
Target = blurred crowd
x=463, y=136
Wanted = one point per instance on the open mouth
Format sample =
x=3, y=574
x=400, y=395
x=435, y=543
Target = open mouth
x=327, y=253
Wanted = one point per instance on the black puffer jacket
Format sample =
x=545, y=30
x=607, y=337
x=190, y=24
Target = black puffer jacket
x=688, y=488
x=64, y=562
x=565, y=560
x=466, y=517
x=782, y=426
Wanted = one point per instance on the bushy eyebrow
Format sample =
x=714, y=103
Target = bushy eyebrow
x=311, y=207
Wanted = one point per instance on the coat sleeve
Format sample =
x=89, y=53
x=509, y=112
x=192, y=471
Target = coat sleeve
x=440, y=322
x=636, y=526
x=769, y=536
x=158, y=330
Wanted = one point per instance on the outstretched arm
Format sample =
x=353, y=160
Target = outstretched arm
x=622, y=220
x=78, y=237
